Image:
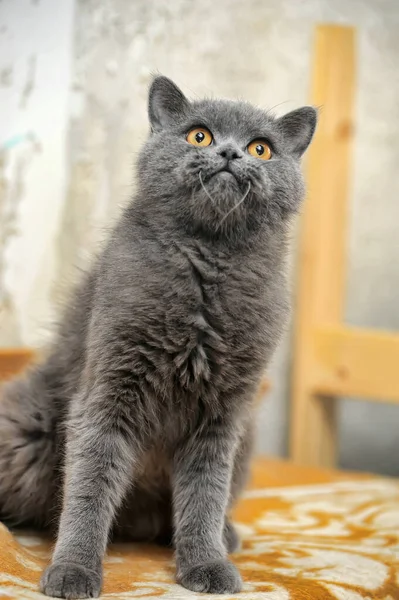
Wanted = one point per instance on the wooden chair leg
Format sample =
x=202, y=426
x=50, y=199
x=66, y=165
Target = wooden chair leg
x=13, y=361
x=314, y=429
x=322, y=251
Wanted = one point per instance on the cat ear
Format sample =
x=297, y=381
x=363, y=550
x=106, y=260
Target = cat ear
x=166, y=103
x=298, y=128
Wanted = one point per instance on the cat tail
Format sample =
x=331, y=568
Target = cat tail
x=29, y=450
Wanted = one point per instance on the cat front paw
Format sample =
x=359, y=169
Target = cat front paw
x=69, y=580
x=218, y=577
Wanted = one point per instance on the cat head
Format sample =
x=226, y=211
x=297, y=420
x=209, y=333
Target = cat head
x=220, y=166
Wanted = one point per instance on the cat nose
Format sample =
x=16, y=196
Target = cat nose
x=230, y=152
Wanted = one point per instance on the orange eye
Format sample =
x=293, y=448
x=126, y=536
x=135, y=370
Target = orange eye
x=199, y=136
x=259, y=149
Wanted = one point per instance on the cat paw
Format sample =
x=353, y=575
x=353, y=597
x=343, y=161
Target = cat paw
x=219, y=577
x=231, y=538
x=69, y=580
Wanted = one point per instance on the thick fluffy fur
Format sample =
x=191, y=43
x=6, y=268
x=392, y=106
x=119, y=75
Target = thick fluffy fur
x=139, y=421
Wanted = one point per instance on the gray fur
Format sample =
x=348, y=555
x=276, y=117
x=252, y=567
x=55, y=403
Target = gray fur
x=147, y=390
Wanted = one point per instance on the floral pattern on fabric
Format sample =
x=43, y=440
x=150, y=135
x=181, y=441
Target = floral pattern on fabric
x=307, y=535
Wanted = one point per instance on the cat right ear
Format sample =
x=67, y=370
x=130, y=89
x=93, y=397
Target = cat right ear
x=298, y=128
x=166, y=103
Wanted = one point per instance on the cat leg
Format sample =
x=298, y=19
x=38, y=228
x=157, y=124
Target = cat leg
x=238, y=481
x=100, y=458
x=201, y=485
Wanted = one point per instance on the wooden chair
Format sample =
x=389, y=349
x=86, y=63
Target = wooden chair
x=331, y=359
x=13, y=361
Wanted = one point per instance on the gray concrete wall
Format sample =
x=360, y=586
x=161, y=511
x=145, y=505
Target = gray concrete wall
x=92, y=121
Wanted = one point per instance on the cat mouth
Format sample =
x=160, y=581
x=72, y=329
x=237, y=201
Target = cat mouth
x=225, y=172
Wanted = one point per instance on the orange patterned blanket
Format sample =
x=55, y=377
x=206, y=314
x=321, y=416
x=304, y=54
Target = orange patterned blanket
x=307, y=535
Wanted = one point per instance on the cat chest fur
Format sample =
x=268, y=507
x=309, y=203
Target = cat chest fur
x=207, y=320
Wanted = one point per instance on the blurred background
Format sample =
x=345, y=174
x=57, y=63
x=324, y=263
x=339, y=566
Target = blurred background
x=73, y=93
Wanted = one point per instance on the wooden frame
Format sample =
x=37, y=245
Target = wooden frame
x=330, y=358
x=13, y=361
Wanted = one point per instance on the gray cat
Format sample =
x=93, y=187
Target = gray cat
x=139, y=421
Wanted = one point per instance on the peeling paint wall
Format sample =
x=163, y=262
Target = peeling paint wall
x=35, y=72
x=75, y=74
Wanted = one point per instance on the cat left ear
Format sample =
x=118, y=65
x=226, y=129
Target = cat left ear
x=166, y=103
x=298, y=128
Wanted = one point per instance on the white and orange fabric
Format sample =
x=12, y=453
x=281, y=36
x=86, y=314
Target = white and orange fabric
x=308, y=534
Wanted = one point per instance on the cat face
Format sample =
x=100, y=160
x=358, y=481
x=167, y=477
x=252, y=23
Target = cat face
x=221, y=166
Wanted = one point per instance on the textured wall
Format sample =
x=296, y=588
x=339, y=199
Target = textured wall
x=370, y=432
x=87, y=106
x=36, y=56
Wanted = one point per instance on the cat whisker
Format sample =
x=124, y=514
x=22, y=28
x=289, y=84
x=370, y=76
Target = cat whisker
x=208, y=194
x=236, y=205
x=204, y=188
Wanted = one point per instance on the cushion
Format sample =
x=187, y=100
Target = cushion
x=307, y=534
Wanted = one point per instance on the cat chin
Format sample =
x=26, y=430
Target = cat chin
x=226, y=177
x=223, y=184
